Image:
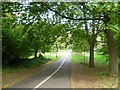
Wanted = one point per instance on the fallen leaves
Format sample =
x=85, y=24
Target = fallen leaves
x=85, y=77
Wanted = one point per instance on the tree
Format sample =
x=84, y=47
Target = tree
x=40, y=36
x=98, y=16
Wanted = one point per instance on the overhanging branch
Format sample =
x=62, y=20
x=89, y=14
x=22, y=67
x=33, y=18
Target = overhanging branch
x=63, y=16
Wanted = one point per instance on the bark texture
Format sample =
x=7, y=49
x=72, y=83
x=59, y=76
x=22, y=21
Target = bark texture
x=112, y=52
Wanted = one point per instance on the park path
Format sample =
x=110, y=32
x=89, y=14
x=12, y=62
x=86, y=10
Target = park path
x=58, y=75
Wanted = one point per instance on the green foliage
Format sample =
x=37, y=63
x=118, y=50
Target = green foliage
x=33, y=28
x=14, y=43
x=79, y=40
x=23, y=36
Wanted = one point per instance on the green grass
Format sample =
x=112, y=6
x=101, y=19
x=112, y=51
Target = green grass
x=29, y=64
x=98, y=59
x=75, y=57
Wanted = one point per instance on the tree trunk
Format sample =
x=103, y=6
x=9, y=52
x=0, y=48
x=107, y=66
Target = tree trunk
x=91, y=60
x=111, y=47
x=112, y=52
x=92, y=44
x=36, y=51
x=84, y=54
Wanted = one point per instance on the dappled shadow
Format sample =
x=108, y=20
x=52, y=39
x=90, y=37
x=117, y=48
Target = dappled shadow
x=85, y=77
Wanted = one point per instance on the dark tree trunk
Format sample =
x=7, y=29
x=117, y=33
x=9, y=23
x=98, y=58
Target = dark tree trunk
x=111, y=47
x=36, y=51
x=92, y=44
x=91, y=60
x=112, y=52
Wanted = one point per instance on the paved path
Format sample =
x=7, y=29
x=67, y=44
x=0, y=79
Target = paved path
x=57, y=76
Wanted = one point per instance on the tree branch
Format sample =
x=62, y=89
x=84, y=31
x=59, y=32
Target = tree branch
x=63, y=16
x=14, y=25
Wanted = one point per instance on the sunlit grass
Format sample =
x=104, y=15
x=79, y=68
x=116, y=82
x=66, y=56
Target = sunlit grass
x=98, y=59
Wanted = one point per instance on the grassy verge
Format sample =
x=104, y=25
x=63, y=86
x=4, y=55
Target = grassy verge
x=100, y=72
x=100, y=64
x=30, y=64
x=79, y=58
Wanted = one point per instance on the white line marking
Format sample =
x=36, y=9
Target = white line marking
x=50, y=75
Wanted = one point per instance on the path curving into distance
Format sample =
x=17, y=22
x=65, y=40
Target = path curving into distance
x=58, y=75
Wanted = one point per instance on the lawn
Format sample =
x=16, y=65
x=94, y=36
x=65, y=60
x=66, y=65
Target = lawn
x=98, y=59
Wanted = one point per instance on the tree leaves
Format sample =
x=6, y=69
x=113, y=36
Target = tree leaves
x=40, y=27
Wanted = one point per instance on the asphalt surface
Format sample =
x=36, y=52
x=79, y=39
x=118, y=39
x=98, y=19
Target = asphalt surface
x=57, y=76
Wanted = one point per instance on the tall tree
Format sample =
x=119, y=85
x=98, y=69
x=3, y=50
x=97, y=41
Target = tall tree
x=98, y=16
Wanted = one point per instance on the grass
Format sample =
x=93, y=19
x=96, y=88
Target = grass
x=98, y=59
x=29, y=64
